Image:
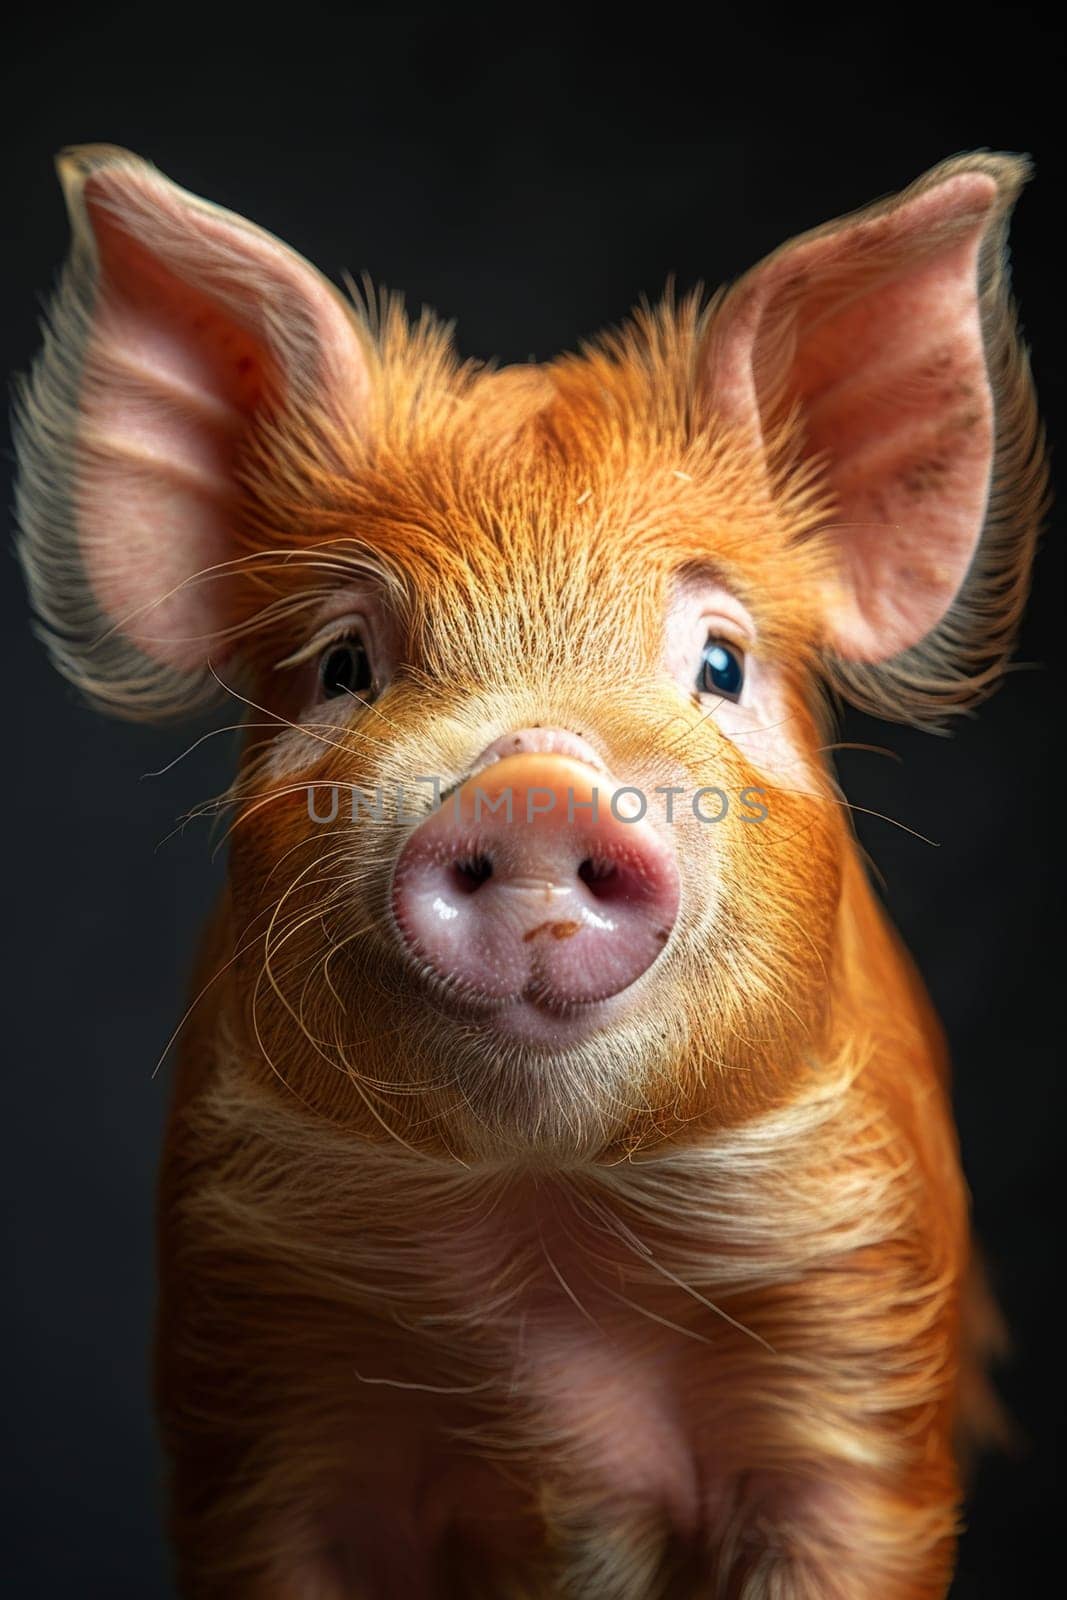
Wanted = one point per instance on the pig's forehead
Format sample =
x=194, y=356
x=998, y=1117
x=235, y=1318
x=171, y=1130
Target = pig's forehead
x=619, y=524
x=586, y=480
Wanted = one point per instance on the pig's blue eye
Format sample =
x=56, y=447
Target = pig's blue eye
x=722, y=670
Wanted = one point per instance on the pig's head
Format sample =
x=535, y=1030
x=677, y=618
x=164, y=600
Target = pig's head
x=522, y=592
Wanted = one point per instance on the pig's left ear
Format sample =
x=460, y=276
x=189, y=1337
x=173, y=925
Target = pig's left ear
x=181, y=339
x=883, y=348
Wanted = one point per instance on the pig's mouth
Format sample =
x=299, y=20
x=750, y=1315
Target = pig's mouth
x=537, y=1017
x=539, y=1013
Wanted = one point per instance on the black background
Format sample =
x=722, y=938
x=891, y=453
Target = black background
x=532, y=184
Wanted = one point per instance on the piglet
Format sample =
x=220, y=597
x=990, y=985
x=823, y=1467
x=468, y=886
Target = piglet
x=561, y=1195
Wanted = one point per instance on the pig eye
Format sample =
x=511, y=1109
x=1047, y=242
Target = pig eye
x=722, y=670
x=344, y=668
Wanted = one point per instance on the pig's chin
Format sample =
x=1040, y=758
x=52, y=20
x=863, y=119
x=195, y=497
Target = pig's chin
x=534, y=1077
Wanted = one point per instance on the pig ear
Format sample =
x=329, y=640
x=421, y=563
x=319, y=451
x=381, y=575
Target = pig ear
x=178, y=333
x=881, y=351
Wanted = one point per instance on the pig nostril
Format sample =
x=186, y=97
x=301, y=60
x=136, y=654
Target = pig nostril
x=546, y=919
x=601, y=878
x=469, y=874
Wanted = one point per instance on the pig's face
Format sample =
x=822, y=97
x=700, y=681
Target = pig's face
x=574, y=583
x=632, y=571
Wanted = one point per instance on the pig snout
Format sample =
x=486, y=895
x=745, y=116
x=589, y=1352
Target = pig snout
x=533, y=882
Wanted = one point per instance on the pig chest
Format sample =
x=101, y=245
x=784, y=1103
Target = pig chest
x=555, y=1380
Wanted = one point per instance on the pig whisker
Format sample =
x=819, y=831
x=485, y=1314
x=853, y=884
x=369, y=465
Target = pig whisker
x=292, y=929
x=770, y=727
x=692, y=729
x=848, y=744
x=261, y=801
x=430, y=1388
x=358, y=740
x=238, y=794
x=565, y=1286
x=655, y=1316
x=262, y=561
x=307, y=728
x=327, y=958
x=212, y=733
x=321, y=969
x=386, y=1127
x=775, y=991
x=689, y=729
x=248, y=812
x=273, y=942
x=378, y=1085
x=285, y=721
x=375, y=709
x=268, y=1058
x=244, y=943
x=872, y=865
x=843, y=527
x=561, y=1280
x=806, y=936
x=391, y=1132
x=218, y=805
x=865, y=810
x=332, y=833
x=242, y=947
x=617, y=1227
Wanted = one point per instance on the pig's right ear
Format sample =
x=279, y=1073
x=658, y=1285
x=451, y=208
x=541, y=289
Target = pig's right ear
x=178, y=332
x=879, y=353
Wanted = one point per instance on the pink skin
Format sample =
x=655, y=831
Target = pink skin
x=552, y=911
